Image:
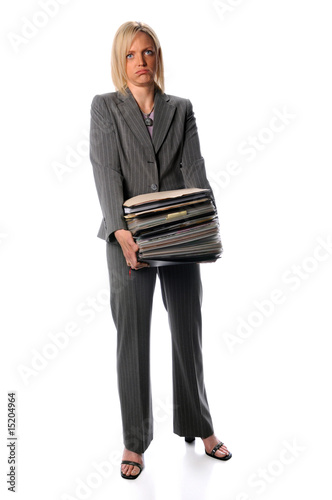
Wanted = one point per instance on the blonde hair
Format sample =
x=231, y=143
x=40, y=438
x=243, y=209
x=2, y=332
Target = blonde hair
x=121, y=45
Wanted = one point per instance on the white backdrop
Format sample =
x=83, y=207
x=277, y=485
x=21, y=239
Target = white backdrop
x=258, y=75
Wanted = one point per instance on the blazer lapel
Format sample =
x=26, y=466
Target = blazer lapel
x=131, y=113
x=163, y=115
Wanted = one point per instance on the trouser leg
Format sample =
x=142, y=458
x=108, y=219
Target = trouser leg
x=182, y=295
x=131, y=306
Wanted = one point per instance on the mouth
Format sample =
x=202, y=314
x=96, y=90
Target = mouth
x=142, y=71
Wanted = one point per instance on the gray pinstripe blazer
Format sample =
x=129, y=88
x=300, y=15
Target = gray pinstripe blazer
x=126, y=162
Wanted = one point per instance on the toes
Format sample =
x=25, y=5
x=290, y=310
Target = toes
x=129, y=470
x=223, y=451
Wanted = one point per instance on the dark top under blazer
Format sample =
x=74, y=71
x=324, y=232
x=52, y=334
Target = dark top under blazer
x=126, y=162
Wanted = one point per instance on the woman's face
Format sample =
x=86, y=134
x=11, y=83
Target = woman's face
x=141, y=61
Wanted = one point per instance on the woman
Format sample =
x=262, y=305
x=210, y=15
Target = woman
x=142, y=141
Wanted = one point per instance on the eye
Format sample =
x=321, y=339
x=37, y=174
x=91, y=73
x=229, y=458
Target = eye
x=149, y=52
x=129, y=56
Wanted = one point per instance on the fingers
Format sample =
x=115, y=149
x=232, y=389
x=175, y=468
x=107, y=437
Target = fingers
x=126, y=240
x=141, y=265
x=129, y=249
x=131, y=259
x=134, y=264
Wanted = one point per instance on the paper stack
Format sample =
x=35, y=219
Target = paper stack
x=174, y=227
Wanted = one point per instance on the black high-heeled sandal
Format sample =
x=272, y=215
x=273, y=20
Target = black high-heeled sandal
x=136, y=464
x=189, y=439
x=216, y=448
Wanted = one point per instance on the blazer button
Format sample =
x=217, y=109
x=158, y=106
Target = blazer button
x=154, y=187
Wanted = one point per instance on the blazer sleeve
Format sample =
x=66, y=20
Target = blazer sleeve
x=106, y=167
x=193, y=165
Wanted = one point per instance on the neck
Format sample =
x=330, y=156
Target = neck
x=144, y=96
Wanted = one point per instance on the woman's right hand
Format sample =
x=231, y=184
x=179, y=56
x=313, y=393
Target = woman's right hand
x=129, y=249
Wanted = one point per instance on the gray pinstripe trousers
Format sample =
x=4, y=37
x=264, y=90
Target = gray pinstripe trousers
x=131, y=306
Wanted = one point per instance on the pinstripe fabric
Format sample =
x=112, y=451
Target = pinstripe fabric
x=131, y=304
x=182, y=295
x=126, y=162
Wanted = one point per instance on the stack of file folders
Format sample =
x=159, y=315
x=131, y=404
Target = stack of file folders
x=174, y=227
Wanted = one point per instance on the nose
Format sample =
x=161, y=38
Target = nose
x=141, y=60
